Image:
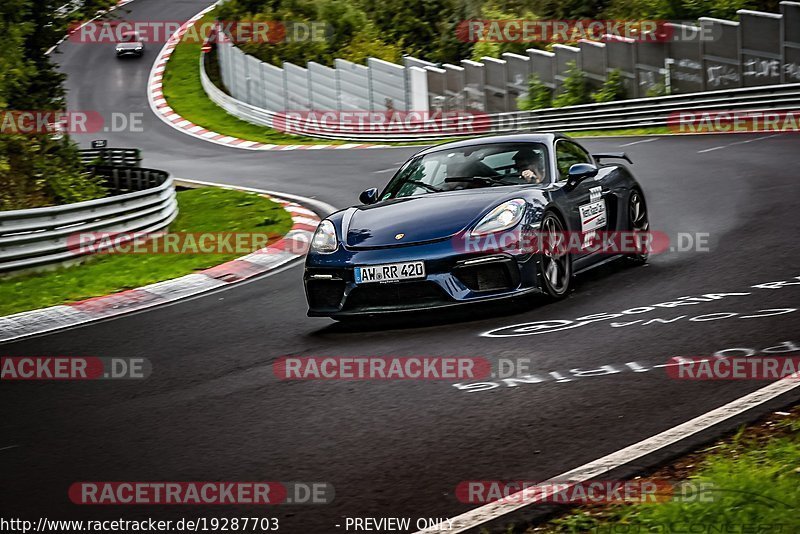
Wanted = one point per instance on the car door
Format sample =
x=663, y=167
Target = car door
x=584, y=204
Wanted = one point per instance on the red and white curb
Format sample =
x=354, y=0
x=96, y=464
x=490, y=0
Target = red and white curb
x=262, y=261
x=163, y=111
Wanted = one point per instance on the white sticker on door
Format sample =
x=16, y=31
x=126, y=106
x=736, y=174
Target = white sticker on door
x=593, y=215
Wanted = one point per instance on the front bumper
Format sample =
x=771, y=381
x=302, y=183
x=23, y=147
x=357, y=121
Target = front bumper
x=451, y=279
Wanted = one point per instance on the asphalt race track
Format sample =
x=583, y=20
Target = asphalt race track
x=213, y=409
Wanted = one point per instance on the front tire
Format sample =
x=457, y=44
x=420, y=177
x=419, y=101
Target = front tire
x=556, y=260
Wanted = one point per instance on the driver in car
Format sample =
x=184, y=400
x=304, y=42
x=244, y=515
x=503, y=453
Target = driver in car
x=530, y=165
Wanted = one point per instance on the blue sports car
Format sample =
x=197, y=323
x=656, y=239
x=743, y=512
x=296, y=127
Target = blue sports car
x=476, y=220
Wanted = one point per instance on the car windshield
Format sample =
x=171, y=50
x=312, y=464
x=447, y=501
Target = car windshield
x=491, y=165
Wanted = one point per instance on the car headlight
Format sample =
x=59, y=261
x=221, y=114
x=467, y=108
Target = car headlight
x=324, y=240
x=503, y=217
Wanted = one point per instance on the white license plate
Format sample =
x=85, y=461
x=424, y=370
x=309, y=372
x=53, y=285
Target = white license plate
x=390, y=272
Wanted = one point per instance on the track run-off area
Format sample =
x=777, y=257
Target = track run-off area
x=213, y=409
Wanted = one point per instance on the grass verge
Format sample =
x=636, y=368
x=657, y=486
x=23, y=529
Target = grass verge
x=750, y=483
x=201, y=210
x=654, y=130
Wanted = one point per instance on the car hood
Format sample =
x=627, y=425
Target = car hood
x=419, y=218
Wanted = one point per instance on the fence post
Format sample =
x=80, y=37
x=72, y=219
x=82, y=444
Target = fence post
x=686, y=74
x=417, y=89
x=791, y=41
x=761, y=50
x=474, y=86
x=495, y=85
x=518, y=72
x=720, y=45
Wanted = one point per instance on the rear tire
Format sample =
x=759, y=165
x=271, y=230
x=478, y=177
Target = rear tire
x=556, y=262
x=638, y=221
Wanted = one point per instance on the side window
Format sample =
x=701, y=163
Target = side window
x=567, y=155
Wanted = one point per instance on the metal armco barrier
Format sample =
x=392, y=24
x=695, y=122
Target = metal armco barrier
x=125, y=157
x=143, y=200
x=711, y=61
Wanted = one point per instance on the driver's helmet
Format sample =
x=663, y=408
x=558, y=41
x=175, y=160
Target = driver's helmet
x=527, y=156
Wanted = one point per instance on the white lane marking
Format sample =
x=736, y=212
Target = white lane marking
x=756, y=139
x=593, y=469
x=385, y=170
x=710, y=149
x=642, y=141
x=739, y=143
x=9, y=447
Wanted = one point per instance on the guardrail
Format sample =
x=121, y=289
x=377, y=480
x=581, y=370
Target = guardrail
x=143, y=200
x=126, y=157
x=631, y=113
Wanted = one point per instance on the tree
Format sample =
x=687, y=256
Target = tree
x=612, y=89
x=489, y=48
x=574, y=90
x=35, y=170
x=539, y=95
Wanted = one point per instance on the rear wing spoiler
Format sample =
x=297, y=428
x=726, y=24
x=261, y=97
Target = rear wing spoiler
x=614, y=155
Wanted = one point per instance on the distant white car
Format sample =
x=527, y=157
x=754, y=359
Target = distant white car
x=131, y=44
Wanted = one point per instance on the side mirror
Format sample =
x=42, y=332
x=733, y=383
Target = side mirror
x=370, y=196
x=579, y=172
